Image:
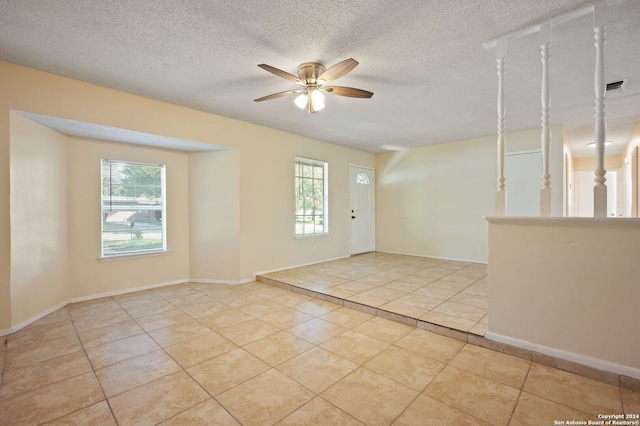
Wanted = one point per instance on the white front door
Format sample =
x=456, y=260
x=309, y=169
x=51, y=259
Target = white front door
x=363, y=235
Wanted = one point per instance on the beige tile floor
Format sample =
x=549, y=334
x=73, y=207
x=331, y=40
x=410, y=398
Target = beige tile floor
x=448, y=293
x=255, y=354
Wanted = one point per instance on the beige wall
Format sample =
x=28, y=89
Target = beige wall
x=39, y=205
x=589, y=163
x=431, y=201
x=567, y=287
x=264, y=176
x=214, y=216
x=90, y=276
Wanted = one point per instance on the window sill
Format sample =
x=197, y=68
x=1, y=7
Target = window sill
x=132, y=255
x=302, y=237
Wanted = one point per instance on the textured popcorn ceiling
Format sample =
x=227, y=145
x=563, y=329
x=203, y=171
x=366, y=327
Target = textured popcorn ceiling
x=433, y=81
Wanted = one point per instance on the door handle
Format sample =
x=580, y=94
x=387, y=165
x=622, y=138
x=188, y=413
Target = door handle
x=353, y=217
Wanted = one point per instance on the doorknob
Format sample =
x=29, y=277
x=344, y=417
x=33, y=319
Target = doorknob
x=353, y=217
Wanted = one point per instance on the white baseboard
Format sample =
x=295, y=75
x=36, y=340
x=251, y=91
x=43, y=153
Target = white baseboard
x=208, y=281
x=41, y=315
x=126, y=290
x=597, y=363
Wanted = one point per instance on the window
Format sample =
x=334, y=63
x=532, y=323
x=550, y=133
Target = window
x=362, y=179
x=133, y=208
x=311, y=197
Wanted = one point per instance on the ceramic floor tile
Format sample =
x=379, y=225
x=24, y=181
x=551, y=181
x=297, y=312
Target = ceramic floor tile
x=383, y=329
x=100, y=319
x=145, y=309
x=206, y=413
x=278, y=347
x=572, y=390
x=225, y=371
x=340, y=293
x=430, y=344
x=165, y=319
x=451, y=321
x=419, y=301
x=139, y=298
x=365, y=299
x=356, y=286
x=370, y=397
x=190, y=299
x=291, y=299
x=319, y=412
x=248, y=331
x=317, y=330
x=237, y=301
x=403, y=309
x=126, y=375
x=346, y=317
x=408, y=368
x=171, y=291
x=120, y=350
x=485, y=399
x=95, y=415
x=19, y=380
x=40, y=333
x=428, y=411
x=316, y=307
x=402, y=286
x=533, y=410
x=493, y=365
x=174, y=334
x=354, y=346
x=51, y=401
x=262, y=308
x=436, y=292
x=469, y=312
x=317, y=369
x=224, y=319
x=158, y=400
x=57, y=316
x=111, y=333
x=449, y=285
x=630, y=401
x=34, y=353
x=286, y=318
x=198, y=349
x=264, y=399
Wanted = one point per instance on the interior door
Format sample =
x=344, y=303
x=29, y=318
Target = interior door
x=362, y=192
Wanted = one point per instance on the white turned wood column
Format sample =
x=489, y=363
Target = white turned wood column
x=600, y=128
x=545, y=136
x=501, y=195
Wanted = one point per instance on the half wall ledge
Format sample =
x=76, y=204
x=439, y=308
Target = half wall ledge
x=568, y=288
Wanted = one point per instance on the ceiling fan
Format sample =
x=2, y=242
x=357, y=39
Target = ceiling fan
x=313, y=78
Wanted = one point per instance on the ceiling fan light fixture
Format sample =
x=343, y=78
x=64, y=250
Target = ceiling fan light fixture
x=317, y=99
x=301, y=101
x=593, y=144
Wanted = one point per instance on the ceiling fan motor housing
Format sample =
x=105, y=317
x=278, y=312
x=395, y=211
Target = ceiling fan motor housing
x=310, y=71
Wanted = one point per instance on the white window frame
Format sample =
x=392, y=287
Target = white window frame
x=301, y=232
x=106, y=200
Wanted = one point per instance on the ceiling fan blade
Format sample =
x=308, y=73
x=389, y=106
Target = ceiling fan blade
x=281, y=73
x=348, y=91
x=278, y=95
x=338, y=70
